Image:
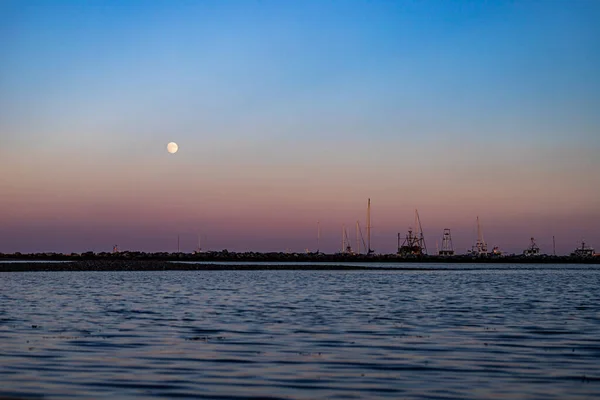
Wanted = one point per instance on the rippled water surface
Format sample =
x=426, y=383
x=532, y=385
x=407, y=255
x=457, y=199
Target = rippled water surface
x=495, y=332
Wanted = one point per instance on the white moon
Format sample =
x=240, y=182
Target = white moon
x=172, y=147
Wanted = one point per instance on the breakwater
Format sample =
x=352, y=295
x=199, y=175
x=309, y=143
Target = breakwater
x=146, y=265
x=157, y=265
x=158, y=260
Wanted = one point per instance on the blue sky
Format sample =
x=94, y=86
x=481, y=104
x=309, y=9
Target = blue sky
x=497, y=87
x=417, y=65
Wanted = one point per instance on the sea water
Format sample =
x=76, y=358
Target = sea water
x=484, y=332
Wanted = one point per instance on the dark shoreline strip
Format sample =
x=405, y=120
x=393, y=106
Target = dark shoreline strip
x=169, y=266
x=137, y=265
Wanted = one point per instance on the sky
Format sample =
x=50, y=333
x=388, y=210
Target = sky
x=292, y=114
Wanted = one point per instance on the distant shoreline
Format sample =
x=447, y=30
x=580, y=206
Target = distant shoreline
x=152, y=265
x=215, y=257
x=165, y=265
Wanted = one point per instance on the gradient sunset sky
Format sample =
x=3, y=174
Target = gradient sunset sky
x=291, y=112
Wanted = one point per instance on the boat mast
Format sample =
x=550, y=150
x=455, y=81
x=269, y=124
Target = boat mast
x=421, y=237
x=481, y=245
x=368, y=226
x=479, y=233
x=362, y=238
x=318, y=235
x=357, y=238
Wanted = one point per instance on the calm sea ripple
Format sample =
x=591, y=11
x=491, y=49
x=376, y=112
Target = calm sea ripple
x=502, y=333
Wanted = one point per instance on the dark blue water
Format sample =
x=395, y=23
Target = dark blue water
x=453, y=334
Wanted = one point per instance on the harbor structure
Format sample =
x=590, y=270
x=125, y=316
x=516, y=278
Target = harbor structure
x=496, y=251
x=199, y=248
x=447, y=246
x=413, y=243
x=480, y=248
x=533, y=250
x=584, y=251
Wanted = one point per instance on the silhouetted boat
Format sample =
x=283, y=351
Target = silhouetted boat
x=583, y=251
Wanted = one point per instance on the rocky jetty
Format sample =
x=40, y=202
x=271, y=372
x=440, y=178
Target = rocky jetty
x=154, y=265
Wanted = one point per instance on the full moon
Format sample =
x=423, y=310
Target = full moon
x=172, y=147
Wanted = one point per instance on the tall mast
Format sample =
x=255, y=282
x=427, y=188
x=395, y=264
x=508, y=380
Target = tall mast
x=357, y=238
x=480, y=246
x=479, y=231
x=343, y=238
x=368, y=226
x=553, y=245
x=318, y=235
x=420, y=236
x=416, y=224
x=362, y=238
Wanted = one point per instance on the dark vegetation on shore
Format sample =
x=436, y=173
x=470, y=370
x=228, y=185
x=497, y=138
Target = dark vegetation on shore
x=154, y=260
